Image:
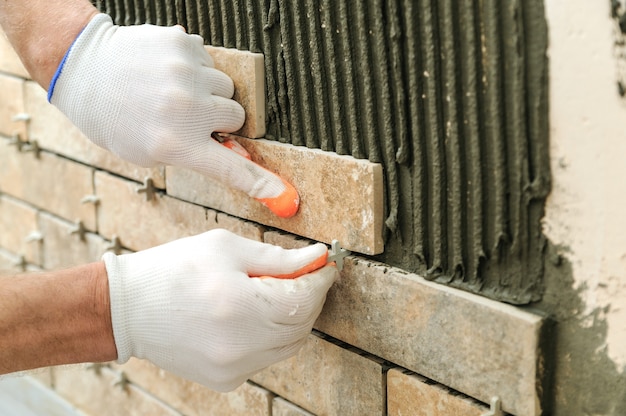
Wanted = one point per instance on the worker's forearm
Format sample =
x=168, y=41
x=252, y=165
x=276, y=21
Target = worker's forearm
x=41, y=31
x=53, y=318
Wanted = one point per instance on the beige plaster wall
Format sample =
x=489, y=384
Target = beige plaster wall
x=586, y=211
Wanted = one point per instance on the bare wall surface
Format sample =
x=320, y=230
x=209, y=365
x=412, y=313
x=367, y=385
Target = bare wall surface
x=585, y=221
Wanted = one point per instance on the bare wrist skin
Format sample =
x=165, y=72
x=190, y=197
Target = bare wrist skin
x=53, y=318
x=41, y=31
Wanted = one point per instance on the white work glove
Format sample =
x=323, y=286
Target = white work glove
x=191, y=308
x=151, y=95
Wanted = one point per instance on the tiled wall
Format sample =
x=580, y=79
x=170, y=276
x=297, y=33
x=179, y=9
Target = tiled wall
x=65, y=202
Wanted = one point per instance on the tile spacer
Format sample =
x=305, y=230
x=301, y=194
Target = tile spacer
x=121, y=381
x=147, y=188
x=21, y=117
x=16, y=141
x=21, y=263
x=34, y=236
x=496, y=407
x=79, y=229
x=115, y=246
x=337, y=254
x=90, y=199
x=32, y=146
x=96, y=368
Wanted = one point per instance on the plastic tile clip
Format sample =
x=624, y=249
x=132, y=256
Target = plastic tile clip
x=496, y=407
x=337, y=254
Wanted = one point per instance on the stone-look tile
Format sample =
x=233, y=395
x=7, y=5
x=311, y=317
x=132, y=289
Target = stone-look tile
x=43, y=375
x=193, y=398
x=324, y=378
x=8, y=261
x=410, y=394
x=11, y=105
x=97, y=395
x=477, y=346
x=63, y=249
x=49, y=182
x=17, y=222
x=240, y=227
x=54, y=132
x=9, y=61
x=142, y=224
x=23, y=395
x=247, y=71
x=341, y=197
x=281, y=407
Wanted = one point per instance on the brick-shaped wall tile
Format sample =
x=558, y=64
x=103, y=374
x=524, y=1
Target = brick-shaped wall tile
x=341, y=197
x=142, y=224
x=470, y=343
x=324, y=378
x=194, y=399
x=64, y=249
x=97, y=395
x=8, y=262
x=410, y=394
x=9, y=61
x=240, y=227
x=42, y=375
x=12, y=105
x=17, y=221
x=54, y=132
x=49, y=182
x=281, y=407
x=247, y=71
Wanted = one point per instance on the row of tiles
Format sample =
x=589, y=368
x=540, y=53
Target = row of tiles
x=461, y=340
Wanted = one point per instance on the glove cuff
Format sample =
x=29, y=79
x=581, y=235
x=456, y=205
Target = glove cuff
x=119, y=319
x=140, y=306
x=94, y=22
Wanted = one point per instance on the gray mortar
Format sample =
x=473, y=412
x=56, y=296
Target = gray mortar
x=585, y=381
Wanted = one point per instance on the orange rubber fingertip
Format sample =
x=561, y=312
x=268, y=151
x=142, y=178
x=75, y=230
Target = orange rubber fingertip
x=237, y=148
x=316, y=264
x=284, y=205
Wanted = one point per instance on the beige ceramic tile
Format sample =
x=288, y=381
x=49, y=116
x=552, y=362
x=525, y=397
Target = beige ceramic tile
x=474, y=345
x=62, y=249
x=324, y=378
x=7, y=261
x=240, y=227
x=17, y=221
x=96, y=393
x=49, y=182
x=281, y=407
x=248, y=74
x=409, y=394
x=9, y=61
x=42, y=375
x=341, y=197
x=54, y=132
x=195, y=399
x=11, y=106
x=142, y=224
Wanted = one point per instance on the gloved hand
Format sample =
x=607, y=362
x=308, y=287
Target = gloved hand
x=151, y=95
x=191, y=308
